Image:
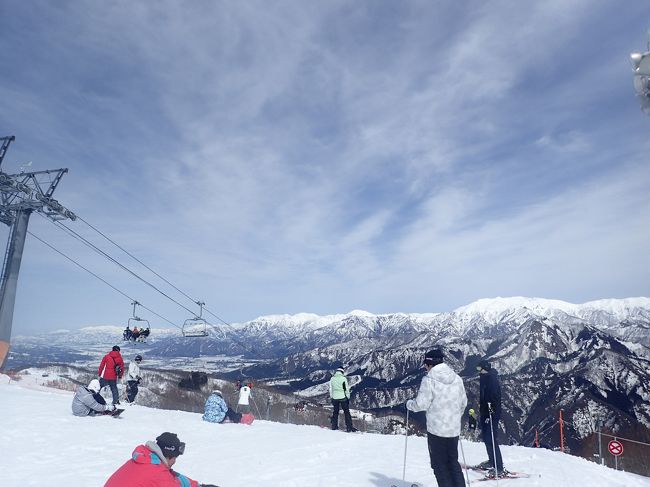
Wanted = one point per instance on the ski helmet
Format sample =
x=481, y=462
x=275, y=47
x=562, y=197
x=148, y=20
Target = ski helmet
x=138, y=358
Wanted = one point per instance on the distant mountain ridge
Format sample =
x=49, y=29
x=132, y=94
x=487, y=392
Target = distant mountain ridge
x=592, y=360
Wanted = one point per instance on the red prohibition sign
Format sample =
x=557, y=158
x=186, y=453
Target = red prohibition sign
x=615, y=447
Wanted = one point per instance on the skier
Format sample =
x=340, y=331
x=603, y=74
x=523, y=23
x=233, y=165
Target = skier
x=216, y=411
x=490, y=414
x=340, y=395
x=126, y=335
x=133, y=379
x=88, y=402
x=471, y=421
x=151, y=464
x=243, y=405
x=442, y=395
x=111, y=368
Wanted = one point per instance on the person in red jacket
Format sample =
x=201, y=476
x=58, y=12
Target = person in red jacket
x=151, y=464
x=111, y=368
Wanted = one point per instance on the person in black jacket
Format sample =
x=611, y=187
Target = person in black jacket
x=490, y=414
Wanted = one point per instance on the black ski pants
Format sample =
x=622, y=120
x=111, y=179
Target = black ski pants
x=443, y=453
x=232, y=415
x=113, y=385
x=345, y=405
x=486, y=431
x=131, y=390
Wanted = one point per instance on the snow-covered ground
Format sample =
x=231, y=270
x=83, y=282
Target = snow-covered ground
x=43, y=444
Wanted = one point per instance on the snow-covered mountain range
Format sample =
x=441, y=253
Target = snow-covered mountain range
x=591, y=360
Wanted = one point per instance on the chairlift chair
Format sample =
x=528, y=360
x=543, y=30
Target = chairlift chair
x=136, y=321
x=197, y=326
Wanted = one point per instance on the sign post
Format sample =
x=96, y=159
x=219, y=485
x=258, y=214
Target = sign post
x=615, y=447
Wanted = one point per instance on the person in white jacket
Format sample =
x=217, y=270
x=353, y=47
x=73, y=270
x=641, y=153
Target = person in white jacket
x=243, y=405
x=442, y=395
x=133, y=379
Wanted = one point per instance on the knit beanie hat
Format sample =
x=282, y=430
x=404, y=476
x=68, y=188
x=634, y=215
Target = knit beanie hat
x=485, y=365
x=434, y=357
x=94, y=385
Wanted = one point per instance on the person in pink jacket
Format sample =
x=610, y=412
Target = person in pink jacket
x=151, y=465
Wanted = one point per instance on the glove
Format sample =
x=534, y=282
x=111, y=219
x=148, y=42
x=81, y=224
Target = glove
x=409, y=404
x=110, y=407
x=490, y=407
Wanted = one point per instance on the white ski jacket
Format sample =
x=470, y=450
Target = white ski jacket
x=244, y=394
x=442, y=395
x=134, y=371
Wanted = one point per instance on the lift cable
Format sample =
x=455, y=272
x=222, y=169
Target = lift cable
x=101, y=279
x=82, y=239
x=85, y=241
x=195, y=301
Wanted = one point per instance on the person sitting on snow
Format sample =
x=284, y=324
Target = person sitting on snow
x=217, y=410
x=88, y=402
x=151, y=464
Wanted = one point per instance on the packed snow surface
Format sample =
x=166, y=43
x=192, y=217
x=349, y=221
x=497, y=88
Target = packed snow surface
x=45, y=445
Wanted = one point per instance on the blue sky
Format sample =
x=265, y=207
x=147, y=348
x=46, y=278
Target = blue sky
x=283, y=157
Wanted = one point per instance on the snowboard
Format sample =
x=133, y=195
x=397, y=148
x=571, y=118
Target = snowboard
x=247, y=418
x=115, y=413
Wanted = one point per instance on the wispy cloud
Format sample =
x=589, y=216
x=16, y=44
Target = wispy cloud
x=303, y=157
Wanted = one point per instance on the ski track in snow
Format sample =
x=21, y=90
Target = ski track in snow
x=43, y=444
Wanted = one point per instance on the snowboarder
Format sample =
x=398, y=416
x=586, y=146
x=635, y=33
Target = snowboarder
x=111, y=368
x=133, y=379
x=442, y=395
x=243, y=405
x=340, y=395
x=151, y=464
x=88, y=402
x=217, y=411
x=490, y=414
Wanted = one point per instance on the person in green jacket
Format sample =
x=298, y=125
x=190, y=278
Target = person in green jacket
x=340, y=394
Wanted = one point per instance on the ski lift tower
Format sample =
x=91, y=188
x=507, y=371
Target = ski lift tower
x=20, y=195
x=641, y=68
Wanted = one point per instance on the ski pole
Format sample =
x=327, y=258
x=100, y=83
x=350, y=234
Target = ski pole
x=494, y=446
x=259, y=415
x=460, y=442
x=406, y=439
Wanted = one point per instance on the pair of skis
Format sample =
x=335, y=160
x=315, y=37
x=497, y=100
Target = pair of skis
x=507, y=475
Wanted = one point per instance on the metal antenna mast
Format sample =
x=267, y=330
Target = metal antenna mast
x=20, y=195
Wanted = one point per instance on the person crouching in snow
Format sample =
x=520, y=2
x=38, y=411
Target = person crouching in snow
x=151, y=464
x=88, y=402
x=217, y=410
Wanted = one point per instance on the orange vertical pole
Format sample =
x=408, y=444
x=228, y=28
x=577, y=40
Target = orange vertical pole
x=561, y=433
